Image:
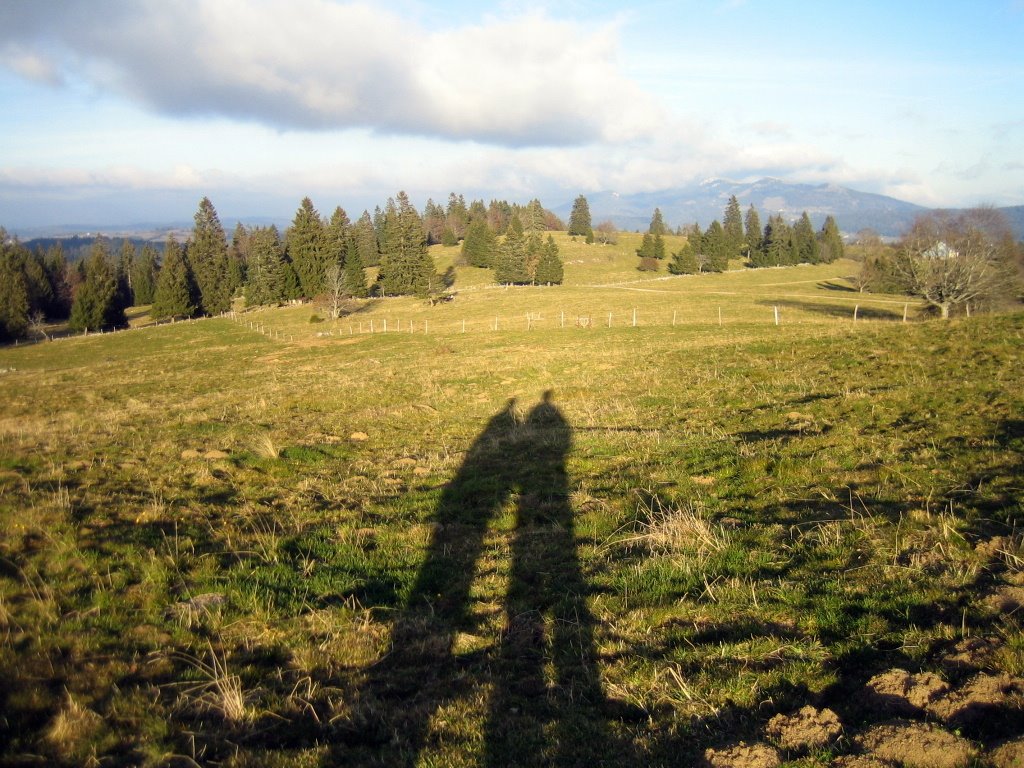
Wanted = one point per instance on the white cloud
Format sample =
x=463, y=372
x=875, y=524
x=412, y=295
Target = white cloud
x=314, y=64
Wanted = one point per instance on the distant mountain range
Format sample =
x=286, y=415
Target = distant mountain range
x=706, y=201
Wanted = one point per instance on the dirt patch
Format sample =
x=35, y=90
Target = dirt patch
x=897, y=692
x=1010, y=754
x=1006, y=599
x=984, y=698
x=742, y=755
x=806, y=730
x=916, y=745
x=858, y=761
x=972, y=653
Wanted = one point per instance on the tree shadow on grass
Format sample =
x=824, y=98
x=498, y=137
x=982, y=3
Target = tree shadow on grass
x=544, y=698
x=864, y=312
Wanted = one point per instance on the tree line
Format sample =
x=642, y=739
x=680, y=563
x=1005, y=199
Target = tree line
x=737, y=236
x=316, y=257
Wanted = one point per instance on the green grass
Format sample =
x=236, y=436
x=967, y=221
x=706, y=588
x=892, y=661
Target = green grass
x=751, y=517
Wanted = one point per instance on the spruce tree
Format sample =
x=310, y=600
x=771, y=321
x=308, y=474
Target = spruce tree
x=267, y=268
x=804, y=240
x=14, y=304
x=457, y=215
x=364, y=237
x=355, y=274
x=96, y=304
x=714, y=248
x=579, y=219
x=434, y=222
x=238, y=258
x=304, y=243
x=752, y=225
x=207, y=255
x=406, y=266
x=144, y=274
x=479, y=244
x=533, y=221
x=777, y=246
x=510, y=264
x=337, y=238
x=732, y=228
x=549, y=269
x=657, y=226
x=125, y=264
x=176, y=293
x=59, y=274
x=684, y=262
x=831, y=241
x=37, y=281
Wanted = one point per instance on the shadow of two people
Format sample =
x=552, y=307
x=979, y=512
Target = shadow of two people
x=545, y=697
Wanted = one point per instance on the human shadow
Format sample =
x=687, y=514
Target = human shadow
x=540, y=680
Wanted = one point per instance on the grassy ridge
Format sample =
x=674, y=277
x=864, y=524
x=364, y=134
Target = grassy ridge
x=352, y=549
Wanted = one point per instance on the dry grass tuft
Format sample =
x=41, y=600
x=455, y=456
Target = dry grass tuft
x=264, y=446
x=679, y=528
x=72, y=728
x=219, y=690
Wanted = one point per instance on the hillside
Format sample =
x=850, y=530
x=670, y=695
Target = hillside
x=634, y=520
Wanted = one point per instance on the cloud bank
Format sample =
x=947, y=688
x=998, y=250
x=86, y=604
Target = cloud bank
x=319, y=65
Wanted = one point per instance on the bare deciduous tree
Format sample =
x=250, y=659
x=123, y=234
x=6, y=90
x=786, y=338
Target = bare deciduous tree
x=952, y=261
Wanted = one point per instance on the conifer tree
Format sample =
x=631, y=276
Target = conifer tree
x=144, y=273
x=732, y=228
x=684, y=262
x=777, y=247
x=365, y=240
x=37, y=282
x=533, y=220
x=304, y=244
x=59, y=274
x=579, y=219
x=805, y=243
x=457, y=215
x=96, y=304
x=14, y=304
x=406, y=266
x=355, y=275
x=549, y=269
x=714, y=248
x=207, y=255
x=499, y=214
x=125, y=264
x=268, y=268
x=752, y=225
x=434, y=222
x=831, y=241
x=238, y=258
x=510, y=264
x=176, y=293
x=479, y=244
x=337, y=238
x=657, y=226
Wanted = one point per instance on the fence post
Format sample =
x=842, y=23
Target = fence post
x=463, y=326
x=776, y=315
x=609, y=319
x=856, y=307
x=673, y=317
x=719, y=317
x=634, y=317
x=905, y=312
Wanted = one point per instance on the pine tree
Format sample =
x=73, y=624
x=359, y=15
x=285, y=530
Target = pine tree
x=337, y=238
x=657, y=226
x=804, y=241
x=40, y=290
x=435, y=222
x=406, y=266
x=364, y=237
x=752, y=225
x=268, y=268
x=499, y=214
x=96, y=303
x=125, y=263
x=207, y=255
x=831, y=241
x=14, y=304
x=777, y=248
x=732, y=228
x=479, y=245
x=304, y=243
x=457, y=215
x=176, y=293
x=355, y=275
x=579, y=219
x=549, y=269
x=533, y=220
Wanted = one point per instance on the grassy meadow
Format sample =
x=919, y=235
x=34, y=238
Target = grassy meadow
x=271, y=541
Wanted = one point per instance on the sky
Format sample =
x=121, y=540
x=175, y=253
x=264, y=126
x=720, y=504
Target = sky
x=118, y=112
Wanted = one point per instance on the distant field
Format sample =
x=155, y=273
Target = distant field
x=270, y=546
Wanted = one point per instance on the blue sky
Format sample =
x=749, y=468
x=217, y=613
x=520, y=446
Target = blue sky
x=124, y=111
